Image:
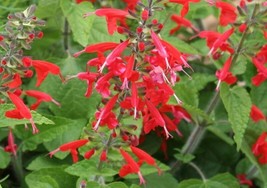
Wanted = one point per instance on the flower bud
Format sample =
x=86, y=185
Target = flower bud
x=242, y=27
x=27, y=62
x=145, y=15
x=103, y=156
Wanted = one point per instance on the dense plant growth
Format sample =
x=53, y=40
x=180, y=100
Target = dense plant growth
x=156, y=93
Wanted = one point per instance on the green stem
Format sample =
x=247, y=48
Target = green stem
x=17, y=167
x=100, y=164
x=203, y=177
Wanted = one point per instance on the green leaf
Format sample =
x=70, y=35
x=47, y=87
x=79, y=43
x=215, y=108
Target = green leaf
x=186, y=94
x=5, y=122
x=44, y=162
x=5, y=158
x=199, y=80
x=50, y=177
x=237, y=103
x=191, y=183
x=117, y=185
x=224, y=180
x=89, y=167
x=99, y=33
x=185, y=158
x=197, y=114
x=79, y=25
x=181, y=45
x=47, y=133
x=159, y=181
x=227, y=179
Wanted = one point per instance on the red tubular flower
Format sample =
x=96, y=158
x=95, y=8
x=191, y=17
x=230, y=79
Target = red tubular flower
x=114, y=54
x=98, y=48
x=259, y=149
x=103, y=156
x=43, y=68
x=243, y=180
x=15, y=83
x=224, y=75
x=157, y=119
x=129, y=74
x=144, y=157
x=102, y=85
x=185, y=4
x=71, y=147
x=256, y=114
x=160, y=48
x=89, y=153
x=131, y=4
x=106, y=110
x=228, y=13
x=262, y=71
x=216, y=40
x=40, y=97
x=181, y=21
x=134, y=99
x=90, y=79
x=21, y=111
x=11, y=147
x=130, y=167
x=112, y=16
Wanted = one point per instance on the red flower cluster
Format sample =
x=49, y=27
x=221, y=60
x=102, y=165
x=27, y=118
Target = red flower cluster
x=259, y=149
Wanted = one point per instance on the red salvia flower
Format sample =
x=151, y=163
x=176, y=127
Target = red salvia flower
x=21, y=111
x=40, y=97
x=114, y=54
x=157, y=119
x=131, y=4
x=259, y=149
x=130, y=167
x=129, y=73
x=228, y=13
x=185, y=4
x=216, y=40
x=11, y=147
x=43, y=68
x=106, y=110
x=144, y=157
x=160, y=48
x=102, y=85
x=243, y=180
x=224, y=75
x=103, y=156
x=98, y=48
x=90, y=79
x=15, y=83
x=181, y=21
x=71, y=147
x=262, y=71
x=256, y=114
x=112, y=15
x=89, y=153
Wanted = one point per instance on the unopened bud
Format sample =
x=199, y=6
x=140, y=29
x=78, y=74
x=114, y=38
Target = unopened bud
x=145, y=15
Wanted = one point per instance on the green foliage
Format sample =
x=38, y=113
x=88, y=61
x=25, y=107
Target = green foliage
x=50, y=177
x=221, y=180
x=73, y=12
x=237, y=103
x=5, y=158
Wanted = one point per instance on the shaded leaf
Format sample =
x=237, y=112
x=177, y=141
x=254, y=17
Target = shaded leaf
x=237, y=103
